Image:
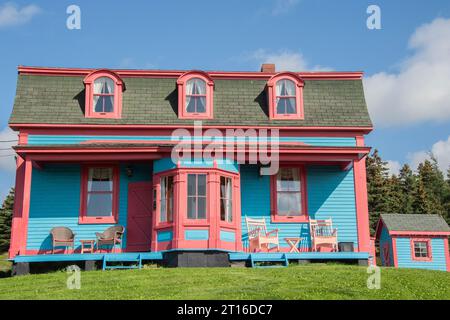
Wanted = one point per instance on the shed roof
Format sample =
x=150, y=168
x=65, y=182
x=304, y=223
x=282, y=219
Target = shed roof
x=415, y=222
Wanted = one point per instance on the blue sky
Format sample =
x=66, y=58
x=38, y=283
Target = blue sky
x=240, y=35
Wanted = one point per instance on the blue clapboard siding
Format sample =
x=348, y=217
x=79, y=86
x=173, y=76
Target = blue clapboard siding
x=330, y=194
x=386, y=238
x=227, y=236
x=405, y=259
x=55, y=201
x=75, y=139
x=163, y=236
x=167, y=164
x=196, y=234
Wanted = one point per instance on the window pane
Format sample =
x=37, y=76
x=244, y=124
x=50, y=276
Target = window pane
x=100, y=179
x=192, y=206
x=163, y=208
x=99, y=205
x=195, y=86
x=285, y=87
x=170, y=198
x=226, y=199
x=108, y=103
x=201, y=104
x=201, y=185
x=190, y=104
x=288, y=179
x=192, y=184
x=104, y=85
x=201, y=213
x=98, y=104
x=290, y=105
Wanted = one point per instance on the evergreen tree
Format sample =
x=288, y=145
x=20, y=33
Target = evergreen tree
x=6, y=213
x=377, y=188
x=434, y=186
x=421, y=203
x=407, y=182
x=395, y=197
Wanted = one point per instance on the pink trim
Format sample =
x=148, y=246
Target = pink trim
x=447, y=254
x=273, y=199
x=272, y=96
x=114, y=128
x=19, y=227
x=429, y=256
x=84, y=219
x=361, y=201
x=181, y=84
x=394, y=252
x=177, y=73
x=118, y=88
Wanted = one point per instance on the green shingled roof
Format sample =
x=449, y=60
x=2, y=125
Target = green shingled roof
x=60, y=100
x=415, y=222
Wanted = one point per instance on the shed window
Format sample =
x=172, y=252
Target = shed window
x=421, y=249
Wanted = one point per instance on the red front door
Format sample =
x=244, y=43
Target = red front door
x=139, y=222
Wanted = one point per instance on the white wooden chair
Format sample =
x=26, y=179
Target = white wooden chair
x=259, y=238
x=323, y=233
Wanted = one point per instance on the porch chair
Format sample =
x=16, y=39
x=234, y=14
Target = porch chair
x=259, y=238
x=323, y=233
x=111, y=236
x=62, y=237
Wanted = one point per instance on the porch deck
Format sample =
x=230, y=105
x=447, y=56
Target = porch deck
x=158, y=256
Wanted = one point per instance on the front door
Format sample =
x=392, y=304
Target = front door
x=139, y=222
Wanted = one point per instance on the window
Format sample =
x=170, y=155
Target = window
x=421, y=249
x=99, y=194
x=288, y=195
x=196, y=196
x=226, y=199
x=166, y=204
x=285, y=96
x=103, y=95
x=195, y=96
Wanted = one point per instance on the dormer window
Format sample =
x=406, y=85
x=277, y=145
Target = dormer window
x=195, y=96
x=103, y=95
x=285, y=91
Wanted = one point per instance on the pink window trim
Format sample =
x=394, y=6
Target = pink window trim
x=272, y=96
x=118, y=88
x=84, y=219
x=273, y=198
x=428, y=242
x=181, y=84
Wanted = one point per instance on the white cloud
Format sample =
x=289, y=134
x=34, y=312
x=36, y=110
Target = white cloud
x=285, y=60
x=283, y=6
x=394, y=167
x=440, y=150
x=7, y=162
x=420, y=90
x=12, y=15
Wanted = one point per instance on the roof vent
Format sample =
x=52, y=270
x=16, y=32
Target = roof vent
x=268, y=67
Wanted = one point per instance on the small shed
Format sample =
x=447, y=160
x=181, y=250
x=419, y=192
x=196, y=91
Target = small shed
x=414, y=241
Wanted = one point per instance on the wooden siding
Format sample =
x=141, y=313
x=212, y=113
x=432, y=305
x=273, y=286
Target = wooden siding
x=330, y=195
x=76, y=139
x=55, y=201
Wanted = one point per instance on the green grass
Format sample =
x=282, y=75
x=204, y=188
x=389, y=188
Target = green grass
x=314, y=281
x=5, y=265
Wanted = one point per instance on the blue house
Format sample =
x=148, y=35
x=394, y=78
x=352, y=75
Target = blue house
x=414, y=241
x=184, y=164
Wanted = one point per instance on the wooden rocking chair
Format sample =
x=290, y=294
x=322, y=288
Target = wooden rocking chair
x=323, y=233
x=259, y=238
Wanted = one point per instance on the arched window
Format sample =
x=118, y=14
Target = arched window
x=195, y=96
x=285, y=91
x=103, y=95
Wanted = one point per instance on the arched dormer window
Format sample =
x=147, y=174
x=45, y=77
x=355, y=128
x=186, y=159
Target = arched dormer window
x=195, y=95
x=285, y=91
x=103, y=95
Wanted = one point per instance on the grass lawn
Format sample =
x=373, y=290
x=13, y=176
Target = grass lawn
x=314, y=281
x=5, y=265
